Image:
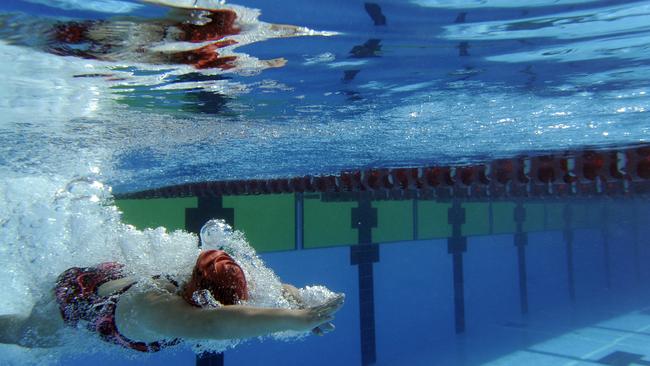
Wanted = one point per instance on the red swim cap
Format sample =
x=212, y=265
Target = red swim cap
x=218, y=273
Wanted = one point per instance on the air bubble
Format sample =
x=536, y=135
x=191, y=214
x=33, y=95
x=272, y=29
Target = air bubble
x=215, y=233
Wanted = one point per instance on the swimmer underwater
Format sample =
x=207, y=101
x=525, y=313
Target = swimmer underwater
x=149, y=318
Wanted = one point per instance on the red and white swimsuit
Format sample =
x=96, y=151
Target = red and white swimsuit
x=76, y=294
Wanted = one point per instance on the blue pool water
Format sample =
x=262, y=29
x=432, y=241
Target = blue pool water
x=348, y=85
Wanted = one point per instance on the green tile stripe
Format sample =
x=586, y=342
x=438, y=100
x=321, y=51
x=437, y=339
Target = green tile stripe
x=152, y=213
x=477, y=219
x=432, y=220
x=394, y=221
x=534, y=217
x=328, y=224
x=555, y=216
x=503, y=218
x=268, y=221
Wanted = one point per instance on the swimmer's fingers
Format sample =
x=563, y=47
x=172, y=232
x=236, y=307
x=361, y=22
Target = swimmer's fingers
x=327, y=327
x=323, y=329
x=330, y=306
x=313, y=320
x=317, y=315
x=325, y=312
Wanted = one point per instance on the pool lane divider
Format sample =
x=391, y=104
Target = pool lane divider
x=520, y=241
x=210, y=359
x=456, y=246
x=416, y=219
x=299, y=219
x=364, y=255
x=207, y=208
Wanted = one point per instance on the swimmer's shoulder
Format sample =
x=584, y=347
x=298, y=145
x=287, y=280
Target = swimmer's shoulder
x=152, y=301
x=113, y=286
x=165, y=283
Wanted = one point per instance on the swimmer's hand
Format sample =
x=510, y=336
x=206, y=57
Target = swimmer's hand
x=292, y=294
x=320, y=316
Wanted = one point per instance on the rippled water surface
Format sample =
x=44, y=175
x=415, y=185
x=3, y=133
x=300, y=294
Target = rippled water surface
x=348, y=84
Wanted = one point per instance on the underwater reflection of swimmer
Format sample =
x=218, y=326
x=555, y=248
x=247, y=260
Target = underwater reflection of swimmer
x=204, y=38
x=210, y=305
x=372, y=48
x=200, y=38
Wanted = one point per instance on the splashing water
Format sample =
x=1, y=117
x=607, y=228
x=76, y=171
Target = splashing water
x=265, y=288
x=49, y=226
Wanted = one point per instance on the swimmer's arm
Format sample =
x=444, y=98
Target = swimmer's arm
x=292, y=294
x=169, y=315
x=38, y=329
x=10, y=328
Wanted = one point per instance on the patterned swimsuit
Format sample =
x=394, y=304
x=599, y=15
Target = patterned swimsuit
x=76, y=294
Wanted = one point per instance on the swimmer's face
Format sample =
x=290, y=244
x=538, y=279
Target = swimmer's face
x=224, y=258
x=224, y=262
x=217, y=272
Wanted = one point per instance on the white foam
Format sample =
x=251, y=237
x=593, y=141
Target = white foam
x=49, y=225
